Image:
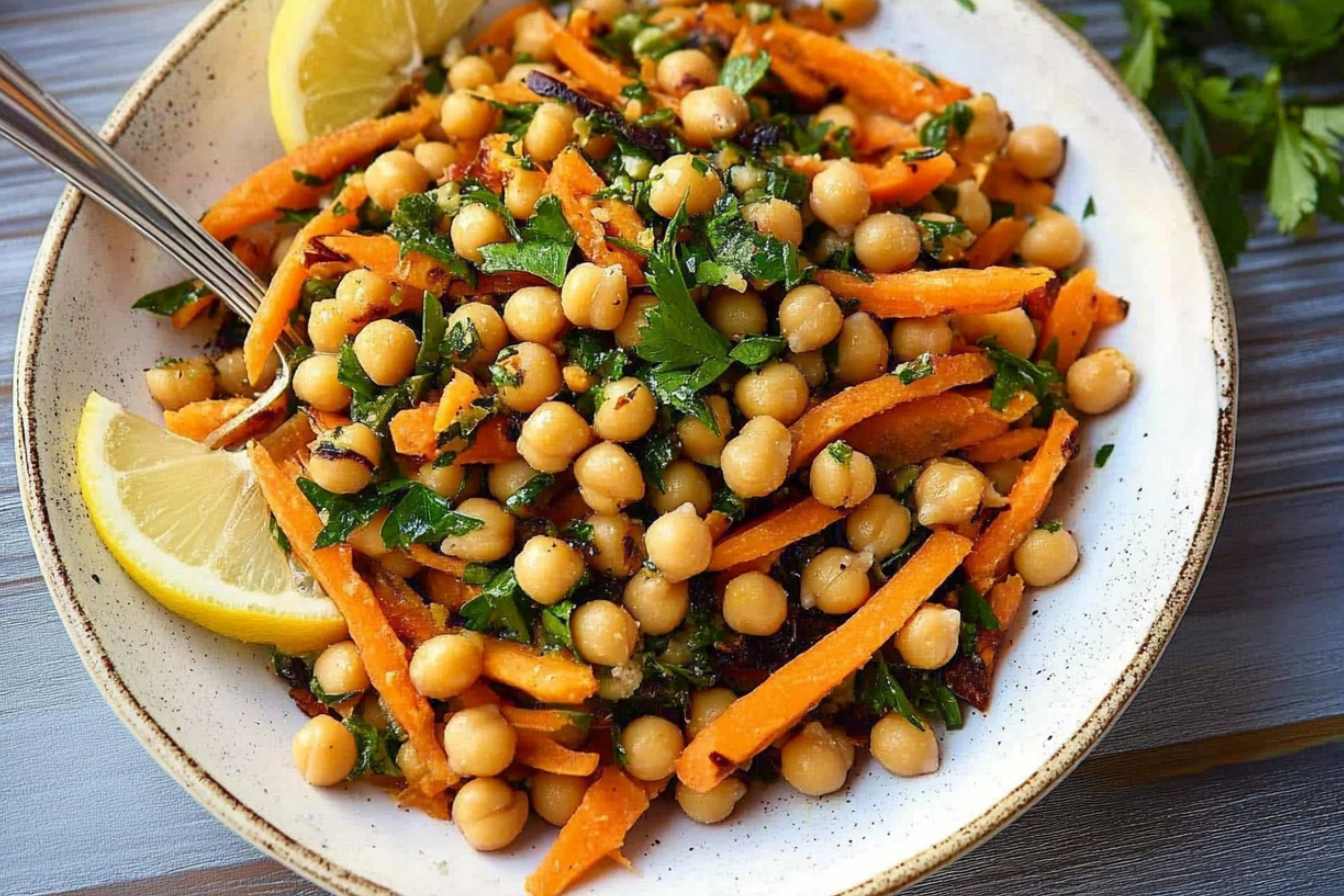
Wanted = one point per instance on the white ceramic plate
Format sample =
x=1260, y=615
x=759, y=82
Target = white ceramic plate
x=208, y=710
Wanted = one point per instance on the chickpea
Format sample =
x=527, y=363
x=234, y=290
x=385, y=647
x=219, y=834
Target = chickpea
x=474, y=228
x=231, y=373
x=836, y=581
x=552, y=436
x=339, y=669
x=701, y=443
x=1002, y=474
x=684, y=178
x=393, y=176
x=915, y=336
x=324, y=751
x=838, y=116
x=679, y=544
x=1046, y=557
x=809, y=317
x=316, y=384
x=517, y=74
x=850, y=13
x=609, y=477
x=636, y=318
x=618, y=544
x=1054, y=241
x=682, y=71
x=776, y=390
x=532, y=36
x=861, y=349
x=1101, y=381
x=604, y=634
x=756, y=461
x=1011, y=330
x=491, y=542
x=471, y=72
x=652, y=745
x=713, y=113
x=812, y=365
x=1037, y=151
x=816, y=760
x=550, y=131
x=778, y=218
x=988, y=130
x=368, y=538
x=386, y=349
x=828, y=245
x=479, y=741
x=523, y=191
x=507, y=477
x=948, y=492
x=605, y=11
x=446, y=665
x=327, y=326
x=529, y=374
x=595, y=297
x=489, y=813
x=176, y=383
x=344, y=459
x=886, y=242
x=626, y=412
x=556, y=797
x=659, y=606
x=879, y=526
x=842, y=477
x=840, y=196
x=929, y=639
x=972, y=207
x=363, y=295
x=902, y=748
x=714, y=805
x=755, y=604
x=436, y=157
x=547, y=568
x=706, y=706
x=736, y=314
x=491, y=332
x=533, y=313
x=684, y=483
x=466, y=116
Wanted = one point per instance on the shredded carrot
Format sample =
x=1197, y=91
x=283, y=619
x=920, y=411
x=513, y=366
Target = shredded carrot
x=499, y=32
x=997, y=243
x=573, y=181
x=289, y=439
x=1069, y=323
x=459, y=393
x=383, y=653
x=610, y=807
x=754, y=721
x=945, y=291
x=1013, y=443
x=284, y=293
x=775, y=530
x=590, y=68
x=896, y=182
x=536, y=750
x=434, y=560
x=382, y=254
x=1003, y=183
x=547, y=677
x=1026, y=502
x=408, y=615
x=477, y=694
x=1111, y=309
x=543, y=721
x=931, y=427
x=200, y=418
x=278, y=185
x=846, y=409
x=413, y=433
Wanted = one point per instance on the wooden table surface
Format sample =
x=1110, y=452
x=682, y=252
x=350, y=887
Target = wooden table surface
x=1224, y=777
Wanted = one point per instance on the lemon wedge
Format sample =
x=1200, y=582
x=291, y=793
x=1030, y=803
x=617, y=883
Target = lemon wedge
x=333, y=62
x=190, y=526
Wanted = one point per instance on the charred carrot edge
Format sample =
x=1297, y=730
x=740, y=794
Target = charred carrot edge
x=1003, y=183
x=850, y=407
x=754, y=721
x=971, y=676
x=1111, y=309
x=536, y=750
x=931, y=427
x=284, y=292
x=590, y=68
x=261, y=196
x=381, y=650
x=574, y=182
x=609, y=809
x=547, y=677
x=997, y=243
x=776, y=530
x=1026, y=502
x=499, y=31
x=459, y=393
x=897, y=181
x=1069, y=323
x=413, y=433
x=1013, y=443
x=406, y=612
x=289, y=439
x=946, y=291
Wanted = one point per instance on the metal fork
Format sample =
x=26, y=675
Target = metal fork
x=34, y=121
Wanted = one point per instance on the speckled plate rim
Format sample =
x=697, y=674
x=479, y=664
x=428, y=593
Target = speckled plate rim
x=221, y=803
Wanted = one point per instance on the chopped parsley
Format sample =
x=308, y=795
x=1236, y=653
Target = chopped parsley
x=914, y=369
x=743, y=73
x=501, y=607
x=543, y=248
x=952, y=121
x=423, y=516
x=1103, y=455
x=308, y=180
x=840, y=452
x=170, y=299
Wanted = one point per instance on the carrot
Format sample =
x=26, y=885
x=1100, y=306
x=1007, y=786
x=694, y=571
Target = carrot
x=382, y=255
x=754, y=721
x=970, y=675
x=547, y=677
x=610, y=807
x=277, y=186
x=574, y=182
x=840, y=412
x=1111, y=309
x=1026, y=501
x=775, y=530
x=284, y=292
x=383, y=653
x=434, y=560
x=289, y=439
x=249, y=252
x=459, y=393
x=536, y=750
x=933, y=426
x=946, y=291
x=542, y=721
x=435, y=806
x=590, y=68
x=997, y=243
x=1003, y=183
x=444, y=588
x=814, y=18
x=406, y=612
x=413, y=433
x=896, y=182
x=797, y=79
x=1013, y=443
x=499, y=32
x=879, y=132
x=1069, y=323
x=200, y=418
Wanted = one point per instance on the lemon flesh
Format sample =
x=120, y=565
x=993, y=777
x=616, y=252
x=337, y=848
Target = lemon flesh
x=333, y=62
x=191, y=527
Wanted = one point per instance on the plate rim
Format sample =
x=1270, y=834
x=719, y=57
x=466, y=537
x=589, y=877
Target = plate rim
x=310, y=863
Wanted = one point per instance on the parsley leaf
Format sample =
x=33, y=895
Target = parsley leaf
x=1103, y=455
x=743, y=73
x=729, y=504
x=529, y=493
x=736, y=243
x=346, y=513
x=171, y=298
x=555, y=631
x=604, y=360
x=974, y=608
x=433, y=329
x=499, y=608
x=756, y=351
x=473, y=191
x=914, y=369
x=841, y=452
x=674, y=334
x=1306, y=163
x=414, y=226
x=881, y=693
x=423, y=516
x=1015, y=374
x=952, y=121
x=374, y=749
x=656, y=452
x=544, y=248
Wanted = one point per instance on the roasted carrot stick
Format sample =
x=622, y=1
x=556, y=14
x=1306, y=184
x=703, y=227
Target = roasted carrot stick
x=542, y=721
x=997, y=243
x=610, y=807
x=289, y=438
x=459, y=393
x=573, y=181
x=200, y=418
x=896, y=181
x=970, y=676
x=536, y=750
x=755, y=720
x=408, y=615
x=933, y=426
x=1013, y=443
x=1069, y=323
x=1006, y=185
x=1111, y=309
x=413, y=433
x=548, y=677
x=775, y=530
x=602, y=76
x=946, y=291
